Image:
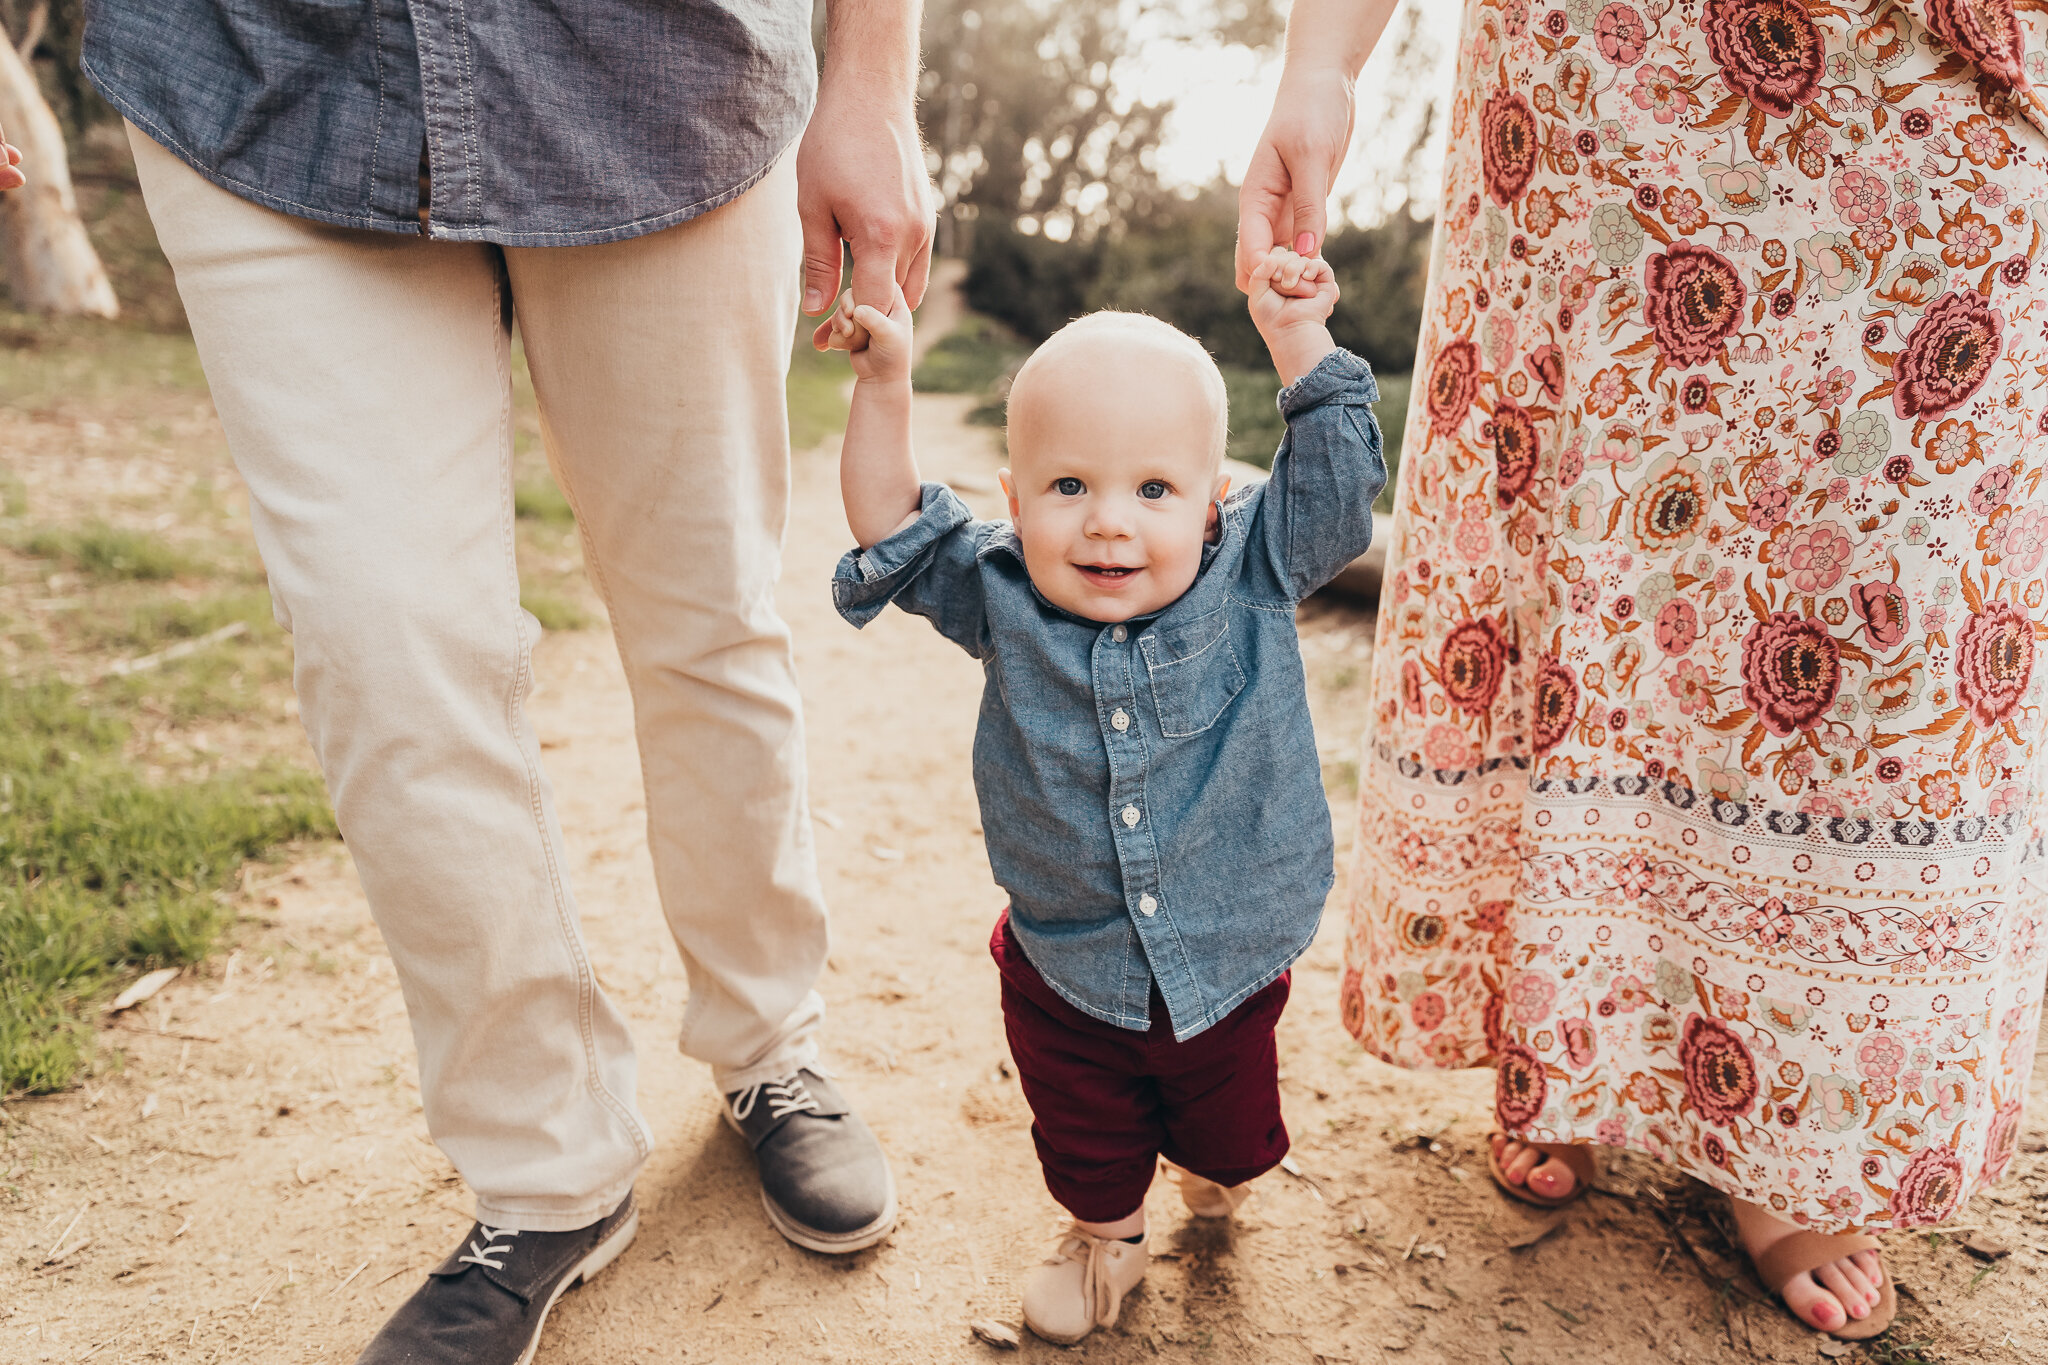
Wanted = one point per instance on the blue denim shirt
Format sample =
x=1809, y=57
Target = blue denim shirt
x=1151, y=793
x=544, y=124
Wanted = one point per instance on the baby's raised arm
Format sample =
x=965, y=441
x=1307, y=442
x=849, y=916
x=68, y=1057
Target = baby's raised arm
x=877, y=465
x=1291, y=298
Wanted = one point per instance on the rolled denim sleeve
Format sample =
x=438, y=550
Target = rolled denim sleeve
x=1315, y=513
x=930, y=568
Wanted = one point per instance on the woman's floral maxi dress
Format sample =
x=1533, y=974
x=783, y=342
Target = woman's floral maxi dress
x=1703, y=795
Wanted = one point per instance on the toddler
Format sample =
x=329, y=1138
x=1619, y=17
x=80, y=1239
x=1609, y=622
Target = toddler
x=1147, y=773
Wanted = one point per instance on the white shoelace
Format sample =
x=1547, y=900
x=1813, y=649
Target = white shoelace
x=481, y=1255
x=785, y=1097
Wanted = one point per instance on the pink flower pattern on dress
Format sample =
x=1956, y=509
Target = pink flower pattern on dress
x=1706, y=720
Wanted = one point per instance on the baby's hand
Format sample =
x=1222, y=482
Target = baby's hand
x=1288, y=290
x=1291, y=298
x=877, y=343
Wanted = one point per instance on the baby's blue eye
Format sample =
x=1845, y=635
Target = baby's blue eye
x=1068, y=488
x=1152, y=490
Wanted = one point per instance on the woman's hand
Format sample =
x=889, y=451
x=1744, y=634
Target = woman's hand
x=1286, y=193
x=11, y=177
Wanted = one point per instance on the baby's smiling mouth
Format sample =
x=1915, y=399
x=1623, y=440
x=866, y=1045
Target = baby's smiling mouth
x=1106, y=574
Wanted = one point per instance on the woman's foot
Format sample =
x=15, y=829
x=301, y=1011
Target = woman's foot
x=1538, y=1167
x=1833, y=1296
x=1081, y=1286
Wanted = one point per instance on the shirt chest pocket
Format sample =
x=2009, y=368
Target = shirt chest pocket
x=1194, y=672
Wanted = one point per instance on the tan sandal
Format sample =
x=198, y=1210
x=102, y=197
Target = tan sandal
x=1578, y=1158
x=1791, y=1256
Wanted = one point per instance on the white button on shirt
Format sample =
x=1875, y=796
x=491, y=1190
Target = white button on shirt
x=1119, y=635
x=1119, y=719
x=1130, y=814
x=1147, y=905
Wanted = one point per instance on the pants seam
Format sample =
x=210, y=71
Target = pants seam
x=515, y=701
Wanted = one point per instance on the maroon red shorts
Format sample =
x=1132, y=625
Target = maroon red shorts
x=1108, y=1102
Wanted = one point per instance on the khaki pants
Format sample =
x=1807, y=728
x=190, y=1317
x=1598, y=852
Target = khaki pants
x=364, y=382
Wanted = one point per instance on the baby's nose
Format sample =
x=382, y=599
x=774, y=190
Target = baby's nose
x=1109, y=523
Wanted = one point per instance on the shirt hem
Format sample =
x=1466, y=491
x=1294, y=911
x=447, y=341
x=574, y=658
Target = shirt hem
x=1219, y=1013
x=410, y=227
x=135, y=114
x=1209, y=1020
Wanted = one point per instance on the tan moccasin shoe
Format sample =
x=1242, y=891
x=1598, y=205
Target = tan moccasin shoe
x=1204, y=1197
x=1082, y=1285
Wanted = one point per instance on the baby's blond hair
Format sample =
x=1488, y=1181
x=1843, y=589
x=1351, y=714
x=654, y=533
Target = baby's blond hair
x=1132, y=329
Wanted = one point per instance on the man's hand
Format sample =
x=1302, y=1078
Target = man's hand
x=1291, y=300
x=877, y=343
x=860, y=172
x=11, y=177
x=1285, y=198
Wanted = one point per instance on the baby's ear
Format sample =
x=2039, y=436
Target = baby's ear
x=1009, y=491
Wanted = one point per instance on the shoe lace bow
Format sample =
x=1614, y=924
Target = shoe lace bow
x=481, y=1255
x=787, y=1096
x=1097, y=1285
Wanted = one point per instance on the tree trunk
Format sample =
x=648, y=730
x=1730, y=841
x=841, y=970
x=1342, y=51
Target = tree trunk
x=46, y=259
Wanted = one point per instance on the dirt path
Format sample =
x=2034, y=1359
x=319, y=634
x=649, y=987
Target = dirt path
x=256, y=1184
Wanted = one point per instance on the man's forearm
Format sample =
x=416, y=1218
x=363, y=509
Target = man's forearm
x=875, y=41
x=1335, y=34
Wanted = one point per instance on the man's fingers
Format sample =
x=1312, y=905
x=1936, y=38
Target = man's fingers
x=874, y=274
x=821, y=260
x=823, y=336
x=918, y=275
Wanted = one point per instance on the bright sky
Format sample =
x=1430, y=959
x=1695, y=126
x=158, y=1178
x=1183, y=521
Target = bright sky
x=1221, y=97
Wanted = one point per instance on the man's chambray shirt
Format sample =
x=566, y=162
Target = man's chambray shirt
x=543, y=123
x=1151, y=792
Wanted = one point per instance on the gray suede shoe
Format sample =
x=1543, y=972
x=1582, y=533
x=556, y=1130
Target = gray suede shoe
x=824, y=1180
x=486, y=1304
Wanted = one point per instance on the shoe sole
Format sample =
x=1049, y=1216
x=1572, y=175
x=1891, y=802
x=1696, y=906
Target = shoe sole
x=601, y=1255
x=809, y=1238
x=830, y=1243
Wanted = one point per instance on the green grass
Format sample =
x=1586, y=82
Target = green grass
x=109, y=553
x=103, y=871
x=974, y=357
x=1256, y=426
x=78, y=363
x=553, y=610
x=817, y=390
x=538, y=499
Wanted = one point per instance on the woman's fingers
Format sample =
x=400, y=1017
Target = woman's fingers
x=1261, y=207
x=10, y=157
